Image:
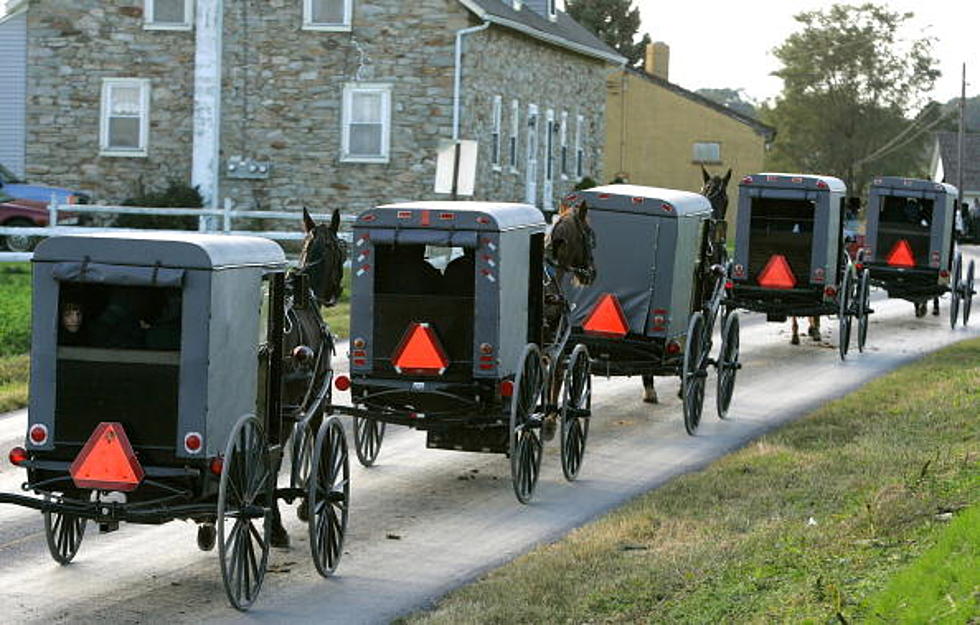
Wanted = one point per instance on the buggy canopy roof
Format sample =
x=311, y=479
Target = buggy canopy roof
x=445, y=215
x=183, y=250
x=805, y=182
x=913, y=184
x=644, y=200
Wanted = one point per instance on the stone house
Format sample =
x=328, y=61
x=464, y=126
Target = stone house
x=944, y=163
x=279, y=104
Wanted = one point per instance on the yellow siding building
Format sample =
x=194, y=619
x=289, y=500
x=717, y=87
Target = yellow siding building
x=660, y=134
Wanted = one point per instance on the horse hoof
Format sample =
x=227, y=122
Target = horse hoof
x=206, y=536
x=279, y=538
x=651, y=399
x=548, y=426
x=795, y=340
x=303, y=511
x=935, y=312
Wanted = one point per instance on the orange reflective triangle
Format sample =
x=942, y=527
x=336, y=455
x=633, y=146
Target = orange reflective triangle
x=107, y=461
x=420, y=352
x=777, y=274
x=901, y=255
x=607, y=318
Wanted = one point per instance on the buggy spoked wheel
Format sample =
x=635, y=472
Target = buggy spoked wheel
x=328, y=496
x=64, y=534
x=844, y=314
x=728, y=364
x=576, y=404
x=301, y=452
x=694, y=373
x=955, y=291
x=968, y=293
x=525, y=424
x=863, y=305
x=244, y=518
x=368, y=434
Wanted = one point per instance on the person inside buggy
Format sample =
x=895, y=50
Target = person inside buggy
x=404, y=270
x=120, y=317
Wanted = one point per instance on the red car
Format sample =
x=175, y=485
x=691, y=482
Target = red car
x=30, y=214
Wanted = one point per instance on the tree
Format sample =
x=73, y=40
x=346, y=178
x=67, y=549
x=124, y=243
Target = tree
x=732, y=99
x=613, y=21
x=854, y=96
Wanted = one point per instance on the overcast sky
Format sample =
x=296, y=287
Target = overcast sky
x=728, y=43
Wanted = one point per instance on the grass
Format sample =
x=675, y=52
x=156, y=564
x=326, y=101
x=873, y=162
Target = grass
x=338, y=316
x=15, y=308
x=809, y=524
x=14, y=373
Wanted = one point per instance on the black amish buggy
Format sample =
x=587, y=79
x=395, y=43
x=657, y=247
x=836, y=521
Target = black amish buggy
x=156, y=394
x=790, y=258
x=463, y=353
x=661, y=270
x=910, y=249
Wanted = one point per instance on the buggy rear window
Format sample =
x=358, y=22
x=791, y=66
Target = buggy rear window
x=417, y=269
x=109, y=316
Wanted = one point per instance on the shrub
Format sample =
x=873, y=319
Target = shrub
x=176, y=195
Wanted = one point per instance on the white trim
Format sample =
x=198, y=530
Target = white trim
x=366, y=87
x=516, y=5
x=104, y=148
x=514, y=139
x=579, y=148
x=563, y=147
x=497, y=130
x=531, y=152
x=344, y=27
x=553, y=10
x=148, y=12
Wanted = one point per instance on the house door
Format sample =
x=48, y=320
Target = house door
x=549, y=161
x=531, y=185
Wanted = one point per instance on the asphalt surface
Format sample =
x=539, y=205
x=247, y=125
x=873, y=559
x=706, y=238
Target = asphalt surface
x=426, y=521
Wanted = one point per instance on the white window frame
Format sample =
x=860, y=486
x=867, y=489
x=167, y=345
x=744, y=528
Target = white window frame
x=144, y=86
x=358, y=87
x=516, y=4
x=149, y=24
x=579, y=149
x=513, y=142
x=553, y=10
x=345, y=27
x=549, y=145
x=496, y=137
x=706, y=161
x=563, y=147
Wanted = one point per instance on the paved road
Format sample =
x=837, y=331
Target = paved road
x=424, y=522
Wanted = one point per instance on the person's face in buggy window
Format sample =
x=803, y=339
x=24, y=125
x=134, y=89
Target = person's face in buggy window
x=71, y=317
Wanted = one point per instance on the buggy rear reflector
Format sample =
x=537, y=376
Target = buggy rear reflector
x=107, y=461
x=38, y=434
x=342, y=382
x=901, y=255
x=777, y=274
x=18, y=456
x=420, y=352
x=507, y=388
x=607, y=318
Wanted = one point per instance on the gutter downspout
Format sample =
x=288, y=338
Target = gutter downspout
x=205, y=169
x=458, y=75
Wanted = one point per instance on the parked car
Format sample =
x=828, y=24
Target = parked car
x=26, y=213
x=19, y=189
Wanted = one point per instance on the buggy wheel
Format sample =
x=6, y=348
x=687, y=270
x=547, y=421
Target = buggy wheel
x=328, y=496
x=968, y=293
x=368, y=434
x=64, y=534
x=844, y=314
x=525, y=424
x=863, y=304
x=245, y=497
x=955, y=291
x=576, y=405
x=728, y=363
x=693, y=373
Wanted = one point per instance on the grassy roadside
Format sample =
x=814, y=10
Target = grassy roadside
x=15, y=337
x=812, y=523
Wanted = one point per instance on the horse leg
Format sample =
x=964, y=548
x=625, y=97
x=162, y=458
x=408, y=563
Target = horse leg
x=550, y=423
x=935, y=306
x=278, y=537
x=795, y=339
x=814, y=329
x=649, y=392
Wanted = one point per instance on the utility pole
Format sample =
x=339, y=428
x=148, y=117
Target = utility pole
x=960, y=138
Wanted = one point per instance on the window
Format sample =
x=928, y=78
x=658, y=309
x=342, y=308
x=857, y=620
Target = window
x=495, y=138
x=564, y=145
x=124, y=124
x=549, y=145
x=515, y=129
x=168, y=14
x=579, y=147
x=707, y=152
x=553, y=10
x=516, y=4
x=327, y=14
x=366, y=123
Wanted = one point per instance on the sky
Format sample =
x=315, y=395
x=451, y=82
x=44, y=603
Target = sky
x=728, y=43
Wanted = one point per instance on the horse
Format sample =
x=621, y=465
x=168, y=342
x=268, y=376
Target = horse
x=715, y=189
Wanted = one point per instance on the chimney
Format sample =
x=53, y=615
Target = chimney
x=657, y=61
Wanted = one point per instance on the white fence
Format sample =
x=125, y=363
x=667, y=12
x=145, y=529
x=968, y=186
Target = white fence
x=216, y=221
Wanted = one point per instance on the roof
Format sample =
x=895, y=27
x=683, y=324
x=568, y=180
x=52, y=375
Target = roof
x=912, y=184
x=564, y=31
x=185, y=250
x=949, y=151
x=765, y=130
x=465, y=215
x=627, y=197
x=790, y=181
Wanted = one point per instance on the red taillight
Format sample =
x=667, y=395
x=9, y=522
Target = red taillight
x=747, y=180
x=38, y=434
x=607, y=318
x=777, y=274
x=217, y=465
x=342, y=383
x=729, y=285
x=943, y=274
x=638, y=200
x=667, y=207
x=830, y=290
x=673, y=348
x=192, y=442
x=901, y=255
x=822, y=185
x=107, y=462
x=420, y=352
x=507, y=388
x=18, y=456
x=859, y=266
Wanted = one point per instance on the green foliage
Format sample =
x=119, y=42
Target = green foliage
x=971, y=114
x=614, y=21
x=586, y=183
x=15, y=308
x=732, y=99
x=176, y=195
x=850, y=85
